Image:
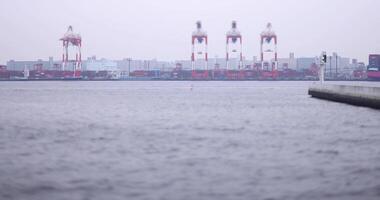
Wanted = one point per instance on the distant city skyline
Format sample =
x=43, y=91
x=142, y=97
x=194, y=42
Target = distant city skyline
x=144, y=29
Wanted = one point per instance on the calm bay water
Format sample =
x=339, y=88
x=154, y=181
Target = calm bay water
x=184, y=140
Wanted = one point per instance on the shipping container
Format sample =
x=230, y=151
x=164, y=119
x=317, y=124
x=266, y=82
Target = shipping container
x=3, y=68
x=373, y=71
x=374, y=61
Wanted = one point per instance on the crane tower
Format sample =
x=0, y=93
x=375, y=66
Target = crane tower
x=233, y=38
x=269, y=39
x=70, y=39
x=199, y=39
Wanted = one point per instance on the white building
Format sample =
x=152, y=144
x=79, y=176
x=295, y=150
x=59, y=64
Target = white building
x=305, y=63
x=92, y=64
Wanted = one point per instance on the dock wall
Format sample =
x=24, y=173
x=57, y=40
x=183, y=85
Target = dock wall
x=354, y=95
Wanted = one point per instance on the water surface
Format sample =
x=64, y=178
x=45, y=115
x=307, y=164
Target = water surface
x=184, y=140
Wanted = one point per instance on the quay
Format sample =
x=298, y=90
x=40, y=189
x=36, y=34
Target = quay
x=354, y=95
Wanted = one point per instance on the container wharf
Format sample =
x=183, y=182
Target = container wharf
x=235, y=65
x=175, y=74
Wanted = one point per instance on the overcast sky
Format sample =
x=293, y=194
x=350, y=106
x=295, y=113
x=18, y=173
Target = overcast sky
x=161, y=29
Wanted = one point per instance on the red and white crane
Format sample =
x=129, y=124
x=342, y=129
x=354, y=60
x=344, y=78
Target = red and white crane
x=269, y=41
x=234, y=40
x=199, y=41
x=71, y=39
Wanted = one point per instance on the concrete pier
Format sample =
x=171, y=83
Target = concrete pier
x=355, y=95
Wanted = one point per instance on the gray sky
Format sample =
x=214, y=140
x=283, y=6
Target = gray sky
x=145, y=29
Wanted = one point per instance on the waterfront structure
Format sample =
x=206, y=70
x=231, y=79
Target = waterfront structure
x=268, y=46
x=268, y=37
x=71, y=39
x=268, y=67
x=234, y=45
x=199, y=41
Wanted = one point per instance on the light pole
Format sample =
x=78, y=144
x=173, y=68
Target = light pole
x=336, y=65
x=323, y=60
x=129, y=66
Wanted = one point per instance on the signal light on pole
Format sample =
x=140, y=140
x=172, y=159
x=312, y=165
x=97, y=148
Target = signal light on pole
x=324, y=58
x=323, y=61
